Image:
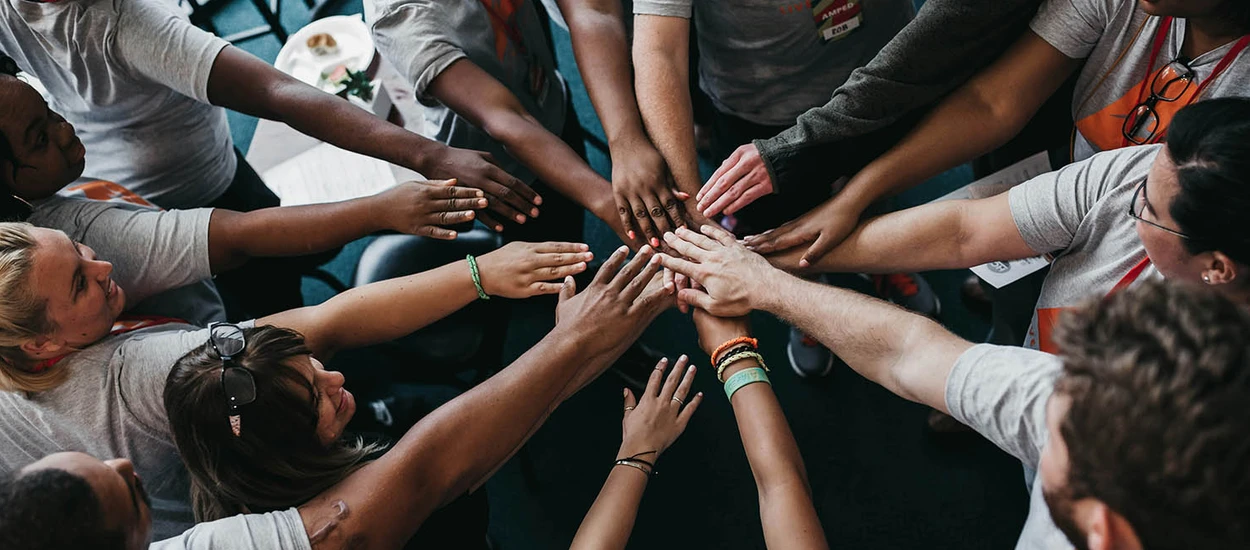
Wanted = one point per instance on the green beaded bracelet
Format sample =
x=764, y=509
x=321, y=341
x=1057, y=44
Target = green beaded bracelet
x=745, y=377
x=477, y=277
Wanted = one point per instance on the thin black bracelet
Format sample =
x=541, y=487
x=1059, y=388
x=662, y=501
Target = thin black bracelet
x=634, y=461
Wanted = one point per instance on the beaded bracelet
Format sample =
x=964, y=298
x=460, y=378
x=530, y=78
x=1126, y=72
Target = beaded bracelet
x=734, y=358
x=736, y=341
x=745, y=378
x=477, y=277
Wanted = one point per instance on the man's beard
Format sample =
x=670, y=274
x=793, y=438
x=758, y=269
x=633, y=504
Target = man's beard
x=1061, y=513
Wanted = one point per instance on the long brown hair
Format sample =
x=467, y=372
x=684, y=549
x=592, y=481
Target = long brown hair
x=276, y=461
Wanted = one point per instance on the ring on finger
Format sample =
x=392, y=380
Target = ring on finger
x=627, y=409
x=678, y=400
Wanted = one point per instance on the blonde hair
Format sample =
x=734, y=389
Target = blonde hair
x=23, y=316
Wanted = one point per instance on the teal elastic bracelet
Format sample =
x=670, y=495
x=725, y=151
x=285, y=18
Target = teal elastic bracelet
x=477, y=277
x=745, y=377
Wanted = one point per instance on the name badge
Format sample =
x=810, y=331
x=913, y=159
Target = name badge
x=837, y=19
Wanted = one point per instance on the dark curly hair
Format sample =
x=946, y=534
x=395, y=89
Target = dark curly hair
x=52, y=509
x=1159, y=424
x=12, y=209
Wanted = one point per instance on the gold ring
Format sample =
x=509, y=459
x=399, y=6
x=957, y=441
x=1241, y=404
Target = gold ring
x=627, y=409
x=678, y=399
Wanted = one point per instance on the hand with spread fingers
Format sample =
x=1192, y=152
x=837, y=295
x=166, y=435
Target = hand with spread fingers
x=730, y=275
x=653, y=422
x=825, y=227
x=619, y=302
x=738, y=182
x=646, y=199
x=508, y=197
x=521, y=270
x=421, y=207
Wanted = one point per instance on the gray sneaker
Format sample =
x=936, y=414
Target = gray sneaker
x=808, y=357
x=910, y=291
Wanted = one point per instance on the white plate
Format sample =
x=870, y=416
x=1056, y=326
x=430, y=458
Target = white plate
x=355, y=49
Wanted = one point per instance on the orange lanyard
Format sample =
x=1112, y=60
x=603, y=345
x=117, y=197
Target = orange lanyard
x=508, y=22
x=1131, y=277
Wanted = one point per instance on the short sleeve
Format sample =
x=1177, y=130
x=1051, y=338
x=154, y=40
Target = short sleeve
x=1073, y=26
x=152, y=250
x=417, y=41
x=1049, y=209
x=158, y=43
x=272, y=531
x=1001, y=392
x=669, y=8
x=145, y=359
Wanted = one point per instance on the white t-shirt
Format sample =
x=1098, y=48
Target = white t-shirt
x=422, y=38
x=1001, y=392
x=1080, y=214
x=272, y=531
x=160, y=258
x=111, y=406
x=132, y=77
x=1100, y=31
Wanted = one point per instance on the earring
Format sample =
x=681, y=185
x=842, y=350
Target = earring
x=1206, y=278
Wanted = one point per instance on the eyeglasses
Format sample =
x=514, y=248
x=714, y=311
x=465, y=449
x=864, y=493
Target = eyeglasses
x=1169, y=84
x=1138, y=207
x=228, y=342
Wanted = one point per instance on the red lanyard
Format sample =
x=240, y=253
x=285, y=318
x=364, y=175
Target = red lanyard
x=507, y=23
x=1161, y=37
x=1131, y=277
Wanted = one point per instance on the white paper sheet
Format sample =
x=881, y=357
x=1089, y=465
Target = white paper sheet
x=326, y=173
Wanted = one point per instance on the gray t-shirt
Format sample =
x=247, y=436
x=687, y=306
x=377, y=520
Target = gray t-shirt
x=422, y=38
x=160, y=258
x=132, y=77
x=272, y=531
x=111, y=406
x=1080, y=214
x=764, y=61
x=1001, y=392
x=1100, y=31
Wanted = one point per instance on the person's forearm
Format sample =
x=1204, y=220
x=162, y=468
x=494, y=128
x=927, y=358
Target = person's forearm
x=382, y=311
x=234, y=237
x=611, y=518
x=664, y=101
x=602, y=52
x=786, y=511
x=904, y=352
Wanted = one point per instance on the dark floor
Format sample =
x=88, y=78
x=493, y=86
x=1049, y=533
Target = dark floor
x=879, y=479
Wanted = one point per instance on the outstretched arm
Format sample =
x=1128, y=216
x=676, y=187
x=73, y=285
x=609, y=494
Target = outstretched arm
x=786, y=511
x=416, y=208
x=952, y=234
x=482, y=100
x=456, y=446
x=386, y=310
x=645, y=198
x=650, y=426
x=986, y=112
x=906, y=353
x=662, y=62
x=244, y=83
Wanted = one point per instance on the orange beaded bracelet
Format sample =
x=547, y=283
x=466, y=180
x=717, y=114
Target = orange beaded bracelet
x=735, y=342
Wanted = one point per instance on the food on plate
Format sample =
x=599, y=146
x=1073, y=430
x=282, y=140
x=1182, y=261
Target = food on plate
x=322, y=44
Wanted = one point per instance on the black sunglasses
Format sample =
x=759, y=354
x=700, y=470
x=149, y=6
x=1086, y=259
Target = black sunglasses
x=228, y=342
x=1139, y=196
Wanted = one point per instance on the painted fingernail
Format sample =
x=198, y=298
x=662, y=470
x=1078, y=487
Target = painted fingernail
x=534, y=212
x=498, y=228
x=538, y=200
x=632, y=235
x=655, y=241
x=520, y=218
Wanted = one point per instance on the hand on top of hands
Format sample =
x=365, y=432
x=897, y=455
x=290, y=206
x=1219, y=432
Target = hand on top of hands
x=738, y=182
x=508, y=198
x=732, y=277
x=654, y=422
x=420, y=207
x=826, y=226
x=619, y=303
x=646, y=200
x=521, y=270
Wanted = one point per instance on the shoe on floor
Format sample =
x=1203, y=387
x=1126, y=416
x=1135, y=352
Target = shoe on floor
x=808, y=357
x=910, y=291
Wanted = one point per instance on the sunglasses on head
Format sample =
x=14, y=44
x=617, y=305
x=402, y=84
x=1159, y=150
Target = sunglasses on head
x=237, y=383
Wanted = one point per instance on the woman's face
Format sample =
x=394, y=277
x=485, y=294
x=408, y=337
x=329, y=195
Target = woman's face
x=335, y=405
x=1154, y=203
x=48, y=154
x=82, y=298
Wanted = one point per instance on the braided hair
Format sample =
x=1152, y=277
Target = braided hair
x=12, y=208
